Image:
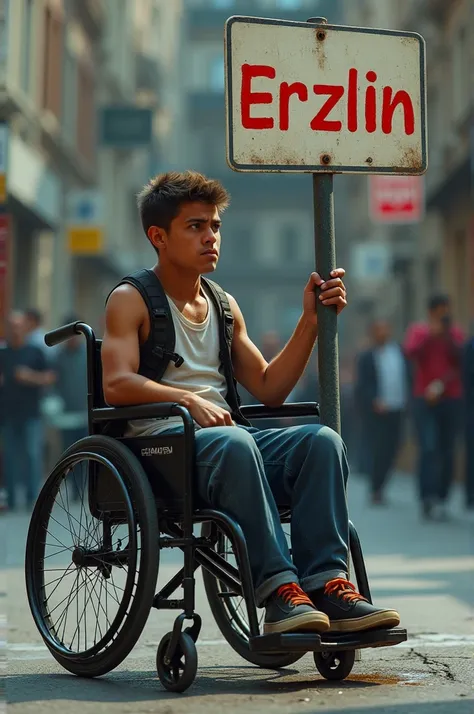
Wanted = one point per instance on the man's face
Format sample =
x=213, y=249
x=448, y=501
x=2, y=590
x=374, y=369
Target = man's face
x=193, y=240
x=441, y=312
x=17, y=328
x=381, y=332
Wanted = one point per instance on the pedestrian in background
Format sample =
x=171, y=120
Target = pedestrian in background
x=24, y=373
x=435, y=349
x=382, y=391
x=469, y=421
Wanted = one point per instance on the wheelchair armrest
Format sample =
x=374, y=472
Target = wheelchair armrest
x=299, y=409
x=143, y=411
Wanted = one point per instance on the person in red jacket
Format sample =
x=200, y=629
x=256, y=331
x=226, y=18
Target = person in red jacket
x=435, y=350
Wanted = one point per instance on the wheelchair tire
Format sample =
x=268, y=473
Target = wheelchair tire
x=100, y=555
x=335, y=666
x=231, y=622
x=180, y=673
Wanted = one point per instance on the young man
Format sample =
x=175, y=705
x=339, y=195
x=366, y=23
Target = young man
x=241, y=470
x=435, y=349
x=382, y=391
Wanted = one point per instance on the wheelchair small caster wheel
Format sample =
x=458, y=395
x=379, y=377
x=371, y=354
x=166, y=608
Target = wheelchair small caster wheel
x=334, y=665
x=180, y=673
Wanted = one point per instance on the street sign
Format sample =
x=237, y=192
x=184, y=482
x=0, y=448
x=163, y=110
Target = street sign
x=85, y=224
x=396, y=199
x=324, y=98
x=370, y=262
x=126, y=127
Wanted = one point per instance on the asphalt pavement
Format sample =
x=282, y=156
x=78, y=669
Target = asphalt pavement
x=426, y=571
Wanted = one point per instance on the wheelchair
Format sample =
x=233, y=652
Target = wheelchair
x=109, y=507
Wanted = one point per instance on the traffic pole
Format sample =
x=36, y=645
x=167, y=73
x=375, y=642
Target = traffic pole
x=325, y=254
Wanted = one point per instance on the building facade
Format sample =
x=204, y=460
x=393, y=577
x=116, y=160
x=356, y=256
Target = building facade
x=70, y=166
x=435, y=255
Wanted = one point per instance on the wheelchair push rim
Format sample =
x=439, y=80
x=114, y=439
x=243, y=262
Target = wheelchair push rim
x=81, y=566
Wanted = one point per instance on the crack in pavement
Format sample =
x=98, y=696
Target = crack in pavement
x=435, y=666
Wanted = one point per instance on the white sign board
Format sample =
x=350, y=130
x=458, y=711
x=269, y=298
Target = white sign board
x=309, y=98
x=371, y=261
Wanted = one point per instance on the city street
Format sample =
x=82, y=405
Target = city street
x=426, y=571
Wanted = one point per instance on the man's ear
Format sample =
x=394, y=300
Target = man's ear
x=156, y=236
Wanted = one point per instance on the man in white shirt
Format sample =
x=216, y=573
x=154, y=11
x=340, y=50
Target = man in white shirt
x=383, y=394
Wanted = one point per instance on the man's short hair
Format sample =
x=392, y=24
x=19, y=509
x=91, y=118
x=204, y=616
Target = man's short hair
x=33, y=314
x=160, y=201
x=438, y=300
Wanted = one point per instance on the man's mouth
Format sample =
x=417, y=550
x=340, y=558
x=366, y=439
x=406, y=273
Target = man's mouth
x=211, y=252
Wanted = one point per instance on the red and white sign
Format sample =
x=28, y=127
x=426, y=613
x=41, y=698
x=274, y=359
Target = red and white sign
x=304, y=97
x=396, y=199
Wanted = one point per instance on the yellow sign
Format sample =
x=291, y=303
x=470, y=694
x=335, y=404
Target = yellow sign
x=3, y=188
x=86, y=240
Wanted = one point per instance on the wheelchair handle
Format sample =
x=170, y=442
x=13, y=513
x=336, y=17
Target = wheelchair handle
x=61, y=334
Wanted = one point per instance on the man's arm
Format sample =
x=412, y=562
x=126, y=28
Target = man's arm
x=270, y=383
x=39, y=375
x=125, y=315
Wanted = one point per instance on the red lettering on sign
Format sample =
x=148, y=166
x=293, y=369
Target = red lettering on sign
x=352, y=117
x=389, y=107
x=371, y=104
x=286, y=92
x=374, y=117
x=320, y=122
x=247, y=97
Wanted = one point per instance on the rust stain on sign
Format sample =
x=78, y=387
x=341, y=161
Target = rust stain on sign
x=320, y=36
x=411, y=159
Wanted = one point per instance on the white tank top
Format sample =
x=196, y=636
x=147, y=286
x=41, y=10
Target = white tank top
x=198, y=345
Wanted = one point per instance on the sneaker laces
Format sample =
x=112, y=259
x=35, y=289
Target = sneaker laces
x=342, y=588
x=292, y=593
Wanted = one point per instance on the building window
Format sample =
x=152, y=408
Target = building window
x=289, y=244
x=85, y=111
x=69, y=110
x=26, y=45
x=216, y=78
x=52, y=73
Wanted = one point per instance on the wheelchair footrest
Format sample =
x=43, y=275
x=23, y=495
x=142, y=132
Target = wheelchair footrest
x=325, y=642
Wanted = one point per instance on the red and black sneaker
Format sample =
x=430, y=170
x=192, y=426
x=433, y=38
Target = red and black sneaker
x=348, y=611
x=289, y=609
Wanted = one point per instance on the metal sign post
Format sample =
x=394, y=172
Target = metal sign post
x=348, y=100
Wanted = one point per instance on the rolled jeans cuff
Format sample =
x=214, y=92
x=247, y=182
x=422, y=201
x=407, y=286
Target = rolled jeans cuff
x=318, y=581
x=263, y=592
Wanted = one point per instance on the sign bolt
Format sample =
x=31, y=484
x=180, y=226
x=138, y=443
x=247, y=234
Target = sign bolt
x=326, y=159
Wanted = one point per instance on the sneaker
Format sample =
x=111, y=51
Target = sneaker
x=289, y=609
x=348, y=611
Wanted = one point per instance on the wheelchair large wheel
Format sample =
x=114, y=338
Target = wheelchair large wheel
x=230, y=612
x=92, y=556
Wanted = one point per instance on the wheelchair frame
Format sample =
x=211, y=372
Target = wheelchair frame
x=177, y=527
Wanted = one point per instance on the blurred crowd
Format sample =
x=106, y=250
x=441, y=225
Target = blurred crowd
x=420, y=388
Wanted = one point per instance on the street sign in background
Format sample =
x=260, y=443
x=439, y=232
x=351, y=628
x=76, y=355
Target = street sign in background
x=370, y=261
x=85, y=225
x=331, y=99
x=396, y=199
x=126, y=127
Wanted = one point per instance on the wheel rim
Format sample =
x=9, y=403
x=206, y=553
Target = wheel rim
x=82, y=565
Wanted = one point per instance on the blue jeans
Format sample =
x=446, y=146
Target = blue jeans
x=437, y=429
x=246, y=472
x=23, y=456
